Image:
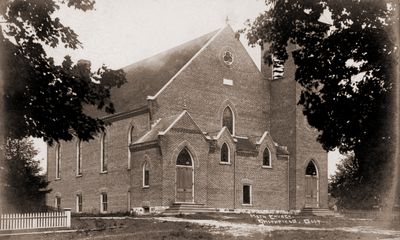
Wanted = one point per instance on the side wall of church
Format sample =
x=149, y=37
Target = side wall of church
x=199, y=88
x=92, y=182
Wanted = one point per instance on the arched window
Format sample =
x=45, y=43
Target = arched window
x=103, y=157
x=131, y=136
x=78, y=157
x=58, y=160
x=267, y=158
x=311, y=170
x=225, y=153
x=146, y=175
x=130, y=141
x=184, y=158
x=227, y=119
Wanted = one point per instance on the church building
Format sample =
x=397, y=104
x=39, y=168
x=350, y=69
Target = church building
x=197, y=128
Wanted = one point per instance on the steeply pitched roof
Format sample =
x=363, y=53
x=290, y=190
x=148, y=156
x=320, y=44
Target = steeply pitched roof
x=158, y=127
x=147, y=77
x=244, y=144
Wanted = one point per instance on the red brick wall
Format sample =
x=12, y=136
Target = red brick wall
x=289, y=128
x=200, y=87
x=115, y=182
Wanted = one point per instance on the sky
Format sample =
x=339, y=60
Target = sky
x=120, y=32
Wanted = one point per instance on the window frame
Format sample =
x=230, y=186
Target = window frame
x=269, y=156
x=146, y=175
x=57, y=202
x=103, y=155
x=130, y=141
x=250, y=195
x=233, y=120
x=79, y=158
x=228, y=153
x=58, y=161
x=79, y=203
x=103, y=204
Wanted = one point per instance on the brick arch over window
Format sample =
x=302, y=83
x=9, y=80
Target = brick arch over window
x=228, y=116
x=225, y=153
x=190, y=149
x=311, y=169
x=267, y=157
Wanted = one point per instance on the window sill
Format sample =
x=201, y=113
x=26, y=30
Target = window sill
x=104, y=172
x=225, y=163
x=79, y=175
x=146, y=187
x=267, y=167
x=247, y=204
x=57, y=179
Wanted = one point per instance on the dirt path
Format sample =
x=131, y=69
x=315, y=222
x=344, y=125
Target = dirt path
x=246, y=229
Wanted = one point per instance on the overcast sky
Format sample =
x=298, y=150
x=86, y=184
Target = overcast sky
x=120, y=32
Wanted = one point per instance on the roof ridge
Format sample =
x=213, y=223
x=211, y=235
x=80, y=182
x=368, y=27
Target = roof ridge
x=187, y=63
x=172, y=49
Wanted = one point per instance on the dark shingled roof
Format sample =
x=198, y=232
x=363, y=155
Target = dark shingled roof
x=244, y=144
x=160, y=126
x=147, y=77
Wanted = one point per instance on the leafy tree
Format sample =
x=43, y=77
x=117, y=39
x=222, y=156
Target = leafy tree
x=25, y=186
x=346, y=67
x=345, y=184
x=41, y=98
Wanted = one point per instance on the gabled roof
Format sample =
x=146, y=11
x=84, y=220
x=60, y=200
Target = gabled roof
x=245, y=145
x=160, y=126
x=147, y=77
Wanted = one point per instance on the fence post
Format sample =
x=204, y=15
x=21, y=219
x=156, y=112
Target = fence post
x=68, y=215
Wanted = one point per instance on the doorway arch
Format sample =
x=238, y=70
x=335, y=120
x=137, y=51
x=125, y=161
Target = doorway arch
x=311, y=185
x=184, y=181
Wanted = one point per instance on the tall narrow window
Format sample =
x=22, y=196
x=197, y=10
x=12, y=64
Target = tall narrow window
x=227, y=120
x=58, y=161
x=267, y=158
x=224, y=153
x=146, y=175
x=246, y=194
x=278, y=68
x=103, y=153
x=129, y=200
x=57, y=202
x=79, y=203
x=130, y=141
x=103, y=202
x=79, y=158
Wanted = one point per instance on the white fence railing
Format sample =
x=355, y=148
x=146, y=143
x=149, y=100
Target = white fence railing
x=21, y=221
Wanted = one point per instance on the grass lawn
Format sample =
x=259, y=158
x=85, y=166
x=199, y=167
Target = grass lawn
x=221, y=226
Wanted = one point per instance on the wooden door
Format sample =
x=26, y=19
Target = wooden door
x=311, y=191
x=184, y=184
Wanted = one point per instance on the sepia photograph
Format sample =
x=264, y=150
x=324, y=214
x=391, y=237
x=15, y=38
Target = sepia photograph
x=199, y=119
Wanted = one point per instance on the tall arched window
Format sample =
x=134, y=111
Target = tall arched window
x=103, y=157
x=146, y=175
x=184, y=158
x=228, y=119
x=225, y=153
x=58, y=160
x=130, y=141
x=267, y=158
x=78, y=157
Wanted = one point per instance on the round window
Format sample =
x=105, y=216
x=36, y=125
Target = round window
x=228, y=57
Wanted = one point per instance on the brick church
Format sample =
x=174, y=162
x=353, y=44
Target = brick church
x=197, y=127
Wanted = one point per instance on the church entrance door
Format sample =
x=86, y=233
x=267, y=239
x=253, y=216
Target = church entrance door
x=184, y=177
x=311, y=186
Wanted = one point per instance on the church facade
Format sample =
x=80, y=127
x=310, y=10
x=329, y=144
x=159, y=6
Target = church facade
x=197, y=125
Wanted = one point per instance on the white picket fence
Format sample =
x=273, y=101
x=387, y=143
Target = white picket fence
x=22, y=221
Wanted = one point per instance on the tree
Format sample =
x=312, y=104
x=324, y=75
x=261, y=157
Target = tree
x=346, y=68
x=25, y=185
x=42, y=99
